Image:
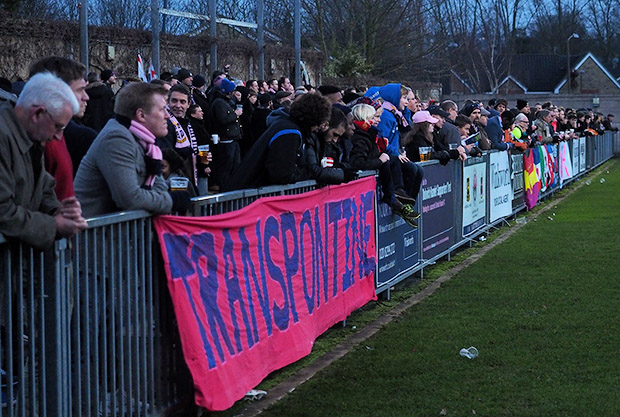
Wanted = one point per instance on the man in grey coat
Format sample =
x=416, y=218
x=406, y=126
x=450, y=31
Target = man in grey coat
x=29, y=209
x=122, y=168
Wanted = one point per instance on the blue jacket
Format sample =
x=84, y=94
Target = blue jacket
x=388, y=126
x=496, y=133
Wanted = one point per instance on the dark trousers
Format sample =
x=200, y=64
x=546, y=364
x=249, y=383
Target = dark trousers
x=390, y=178
x=226, y=159
x=412, y=178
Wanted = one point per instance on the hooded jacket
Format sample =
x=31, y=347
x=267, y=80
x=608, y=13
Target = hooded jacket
x=388, y=126
x=275, y=158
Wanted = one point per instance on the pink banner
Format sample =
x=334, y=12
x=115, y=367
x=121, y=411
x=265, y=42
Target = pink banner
x=252, y=289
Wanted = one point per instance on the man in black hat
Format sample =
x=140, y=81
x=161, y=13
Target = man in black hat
x=185, y=77
x=331, y=93
x=283, y=99
x=447, y=133
x=258, y=124
x=108, y=78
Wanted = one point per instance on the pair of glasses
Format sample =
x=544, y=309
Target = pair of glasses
x=58, y=126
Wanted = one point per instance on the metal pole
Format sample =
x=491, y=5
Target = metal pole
x=568, y=64
x=155, y=36
x=84, y=33
x=260, y=17
x=213, y=33
x=297, y=43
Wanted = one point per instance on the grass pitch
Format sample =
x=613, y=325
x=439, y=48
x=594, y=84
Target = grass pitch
x=543, y=309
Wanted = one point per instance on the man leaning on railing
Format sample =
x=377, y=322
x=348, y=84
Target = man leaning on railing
x=29, y=209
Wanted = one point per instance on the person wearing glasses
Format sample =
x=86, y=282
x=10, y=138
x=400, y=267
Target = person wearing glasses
x=29, y=209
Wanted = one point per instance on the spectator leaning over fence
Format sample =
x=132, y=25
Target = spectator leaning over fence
x=543, y=127
x=495, y=132
x=608, y=123
x=122, y=169
x=62, y=157
x=519, y=134
x=277, y=156
x=29, y=209
x=322, y=156
x=369, y=153
x=439, y=142
x=421, y=136
x=392, y=121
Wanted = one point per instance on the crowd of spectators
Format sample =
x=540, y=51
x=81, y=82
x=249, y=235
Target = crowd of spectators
x=127, y=142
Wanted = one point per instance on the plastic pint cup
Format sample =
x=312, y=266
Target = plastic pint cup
x=215, y=139
x=425, y=153
x=203, y=153
x=178, y=183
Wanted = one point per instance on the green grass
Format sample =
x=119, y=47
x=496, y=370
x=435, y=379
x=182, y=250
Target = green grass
x=543, y=308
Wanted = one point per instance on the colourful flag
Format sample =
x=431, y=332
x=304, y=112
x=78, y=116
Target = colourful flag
x=531, y=183
x=565, y=161
x=152, y=74
x=141, y=73
x=549, y=165
x=536, y=157
x=252, y=289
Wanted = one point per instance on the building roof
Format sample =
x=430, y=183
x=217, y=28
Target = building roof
x=540, y=73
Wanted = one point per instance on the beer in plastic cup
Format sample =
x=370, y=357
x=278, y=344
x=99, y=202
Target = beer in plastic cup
x=215, y=139
x=178, y=184
x=203, y=152
x=425, y=153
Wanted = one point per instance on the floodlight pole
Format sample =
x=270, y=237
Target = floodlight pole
x=155, y=36
x=83, y=5
x=213, y=33
x=260, y=17
x=297, y=43
x=576, y=36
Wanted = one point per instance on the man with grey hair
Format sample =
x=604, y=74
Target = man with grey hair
x=29, y=209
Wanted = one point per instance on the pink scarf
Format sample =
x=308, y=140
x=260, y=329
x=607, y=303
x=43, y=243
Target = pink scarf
x=397, y=113
x=146, y=139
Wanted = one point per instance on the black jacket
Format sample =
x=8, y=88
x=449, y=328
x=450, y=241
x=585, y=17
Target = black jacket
x=365, y=153
x=224, y=120
x=275, y=158
x=100, y=107
x=419, y=141
x=315, y=150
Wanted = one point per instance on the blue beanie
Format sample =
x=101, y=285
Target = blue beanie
x=227, y=86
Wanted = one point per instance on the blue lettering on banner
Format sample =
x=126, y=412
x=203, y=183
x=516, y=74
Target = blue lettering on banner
x=291, y=263
x=249, y=275
x=181, y=268
x=280, y=314
x=306, y=223
x=245, y=271
x=231, y=278
x=335, y=214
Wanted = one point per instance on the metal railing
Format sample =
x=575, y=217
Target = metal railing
x=88, y=327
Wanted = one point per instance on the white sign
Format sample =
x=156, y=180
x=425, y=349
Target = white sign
x=582, y=154
x=500, y=186
x=474, y=197
x=576, y=156
x=566, y=165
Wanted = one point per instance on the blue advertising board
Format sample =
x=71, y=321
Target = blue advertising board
x=397, y=243
x=437, y=194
